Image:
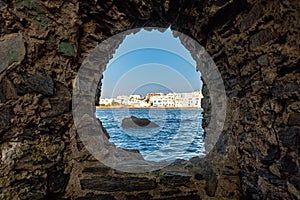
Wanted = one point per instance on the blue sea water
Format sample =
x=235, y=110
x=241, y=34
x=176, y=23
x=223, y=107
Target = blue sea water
x=179, y=136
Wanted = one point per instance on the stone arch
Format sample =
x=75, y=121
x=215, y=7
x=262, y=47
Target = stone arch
x=255, y=45
x=92, y=133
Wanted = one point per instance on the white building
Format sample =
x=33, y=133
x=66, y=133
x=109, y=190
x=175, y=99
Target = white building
x=106, y=101
x=192, y=99
x=123, y=100
x=163, y=101
x=134, y=99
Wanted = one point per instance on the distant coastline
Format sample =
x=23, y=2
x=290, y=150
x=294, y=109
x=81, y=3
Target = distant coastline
x=154, y=100
x=127, y=107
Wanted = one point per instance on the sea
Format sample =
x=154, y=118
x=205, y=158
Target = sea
x=179, y=135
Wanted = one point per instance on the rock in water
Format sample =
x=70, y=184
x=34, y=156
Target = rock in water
x=135, y=122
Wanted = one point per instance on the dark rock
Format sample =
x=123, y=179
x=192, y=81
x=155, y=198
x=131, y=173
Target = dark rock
x=290, y=138
x=36, y=83
x=263, y=60
x=2, y=5
x=28, y=134
x=273, y=154
x=57, y=180
x=211, y=184
x=295, y=180
x=170, y=192
x=187, y=197
x=275, y=180
x=92, y=196
x=255, y=13
x=7, y=90
x=228, y=12
x=252, y=193
x=60, y=101
x=289, y=166
x=281, y=88
x=135, y=122
x=140, y=196
x=111, y=184
x=199, y=176
x=35, y=188
x=97, y=169
x=260, y=38
x=5, y=116
x=250, y=182
x=294, y=119
x=173, y=179
x=222, y=143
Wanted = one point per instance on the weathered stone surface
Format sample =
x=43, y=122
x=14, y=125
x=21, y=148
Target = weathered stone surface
x=189, y=197
x=103, y=129
x=67, y=49
x=59, y=103
x=111, y=184
x=289, y=165
x=37, y=82
x=173, y=179
x=295, y=180
x=211, y=184
x=7, y=90
x=260, y=38
x=273, y=154
x=135, y=122
x=96, y=170
x=91, y=196
x=263, y=60
x=140, y=196
x=294, y=119
x=57, y=181
x=255, y=13
x=171, y=192
x=5, y=115
x=290, y=138
x=12, y=50
x=281, y=88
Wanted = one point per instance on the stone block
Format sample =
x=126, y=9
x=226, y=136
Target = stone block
x=67, y=49
x=255, y=13
x=290, y=138
x=12, y=50
x=36, y=83
x=92, y=196
x=173, y=179
x=5, y=116
x=111, y=184
x=260, y=38
x=294, y=119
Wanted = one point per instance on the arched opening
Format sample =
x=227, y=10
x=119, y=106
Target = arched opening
x=91, y=131
x=152, y=76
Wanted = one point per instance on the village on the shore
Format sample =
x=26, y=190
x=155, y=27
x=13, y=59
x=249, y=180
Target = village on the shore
x=155, y=100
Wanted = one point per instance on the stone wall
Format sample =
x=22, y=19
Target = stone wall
x=255, y=45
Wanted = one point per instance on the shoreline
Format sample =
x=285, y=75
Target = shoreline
x=132, y=107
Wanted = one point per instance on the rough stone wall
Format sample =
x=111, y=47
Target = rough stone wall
x=255, y=45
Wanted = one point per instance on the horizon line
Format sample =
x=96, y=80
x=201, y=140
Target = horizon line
x=153, y=93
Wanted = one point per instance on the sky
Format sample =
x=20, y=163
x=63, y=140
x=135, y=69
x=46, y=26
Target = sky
x=149, y=62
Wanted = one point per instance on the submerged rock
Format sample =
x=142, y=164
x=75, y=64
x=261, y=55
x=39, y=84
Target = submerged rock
x=135, y=122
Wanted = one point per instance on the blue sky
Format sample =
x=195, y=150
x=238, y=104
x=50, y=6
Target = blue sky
x=148, y=62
